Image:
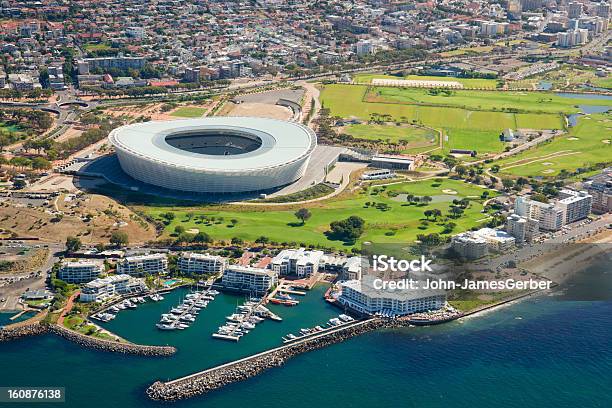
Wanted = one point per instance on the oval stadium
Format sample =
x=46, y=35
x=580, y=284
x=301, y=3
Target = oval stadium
x=216, y=155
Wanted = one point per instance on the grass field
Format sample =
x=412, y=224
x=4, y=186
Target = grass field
x=473, y=129
x=478, y=100
x=189, y=112
x=96, y=47
x=397, y=224
x=583, y=146
x=467, y=82
x=411, y=136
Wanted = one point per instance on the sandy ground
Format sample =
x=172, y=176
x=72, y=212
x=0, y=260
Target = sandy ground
x=107, y=216
x=72, y=132
x=153, y=111
x=262, y=110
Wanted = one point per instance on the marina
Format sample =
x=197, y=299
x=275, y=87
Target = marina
x=333, y=323
x=245, y=318
x=183, y=315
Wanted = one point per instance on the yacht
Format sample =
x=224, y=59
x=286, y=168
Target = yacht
x=163, y=326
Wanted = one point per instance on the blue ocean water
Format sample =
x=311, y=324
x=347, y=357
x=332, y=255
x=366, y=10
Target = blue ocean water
x=538, y=353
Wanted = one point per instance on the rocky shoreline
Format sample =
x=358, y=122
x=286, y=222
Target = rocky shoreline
x=209, y=380
x=107, y=345
x=16, y=332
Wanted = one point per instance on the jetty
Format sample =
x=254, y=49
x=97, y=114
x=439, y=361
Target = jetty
x=239, y=370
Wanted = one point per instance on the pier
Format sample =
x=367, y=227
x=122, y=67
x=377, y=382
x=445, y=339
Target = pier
x=239, y=370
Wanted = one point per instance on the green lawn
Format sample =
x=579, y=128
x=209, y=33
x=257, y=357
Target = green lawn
x=189, y=112
x=96, y=47
x=483, y=100
x=411, y=136
x=281, y=225
x=467, y=82
x=583, y=146
x=471, y=129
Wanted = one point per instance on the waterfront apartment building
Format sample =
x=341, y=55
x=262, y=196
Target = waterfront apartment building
x=255, y=281
x=476, y=244
x=102, y=289
x=140, y=265
x=362, y=297
x=80, y=271
x=523, y=229
x=600, y=188
x=577, y=204
x=298, y=262
x=195, y=263
x=550, y=216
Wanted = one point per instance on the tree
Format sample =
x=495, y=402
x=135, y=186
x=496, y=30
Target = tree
x=409, y=197
x=428, y=213
x=237, y=241
x=426, y=199
x=179, y=229
x=119, y=238
x=303, y=214
x=461, y=170
x=262, y=240
x=507, y=183
x=456, y=211
x=436, y=213
x=73, y=244
x=448, y=227
x=201, y=238
x=347, y=230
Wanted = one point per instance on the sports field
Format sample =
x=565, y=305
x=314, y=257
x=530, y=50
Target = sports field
x=466, y=82
x=586, y=144
x=397, y=224
x=189, y=112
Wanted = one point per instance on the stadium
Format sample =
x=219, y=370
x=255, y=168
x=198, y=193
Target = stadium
x=215, y=155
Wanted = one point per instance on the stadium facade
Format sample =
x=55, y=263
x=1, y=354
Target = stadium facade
x=215, y=155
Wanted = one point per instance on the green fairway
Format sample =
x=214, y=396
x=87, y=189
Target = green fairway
x=410, y=136
x=189, y=112
x=397, y=224
x=466, y=82
x=486, y=140
x=586, y=144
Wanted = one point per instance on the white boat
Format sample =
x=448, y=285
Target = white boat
x=114, y=309
x=235, y=318
x=163, y=326
x=131, y=305
x=247, y=325
x=182, y=326
x=177, y=310
x=346, y=318
x=335, y=321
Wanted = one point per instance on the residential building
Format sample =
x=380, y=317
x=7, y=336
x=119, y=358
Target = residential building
x=364, y=48
x=600, y=188
x=298, y=262
x=577, y=204
x=523, y=229
x=80, y=271
x=574, y=10
x=476, y=244
x=469, y=246
x=105, y=63
x=102, y=289
x=550, y=216
x=245, y=279
x=362, y=297
x=352, y=268
x=143, y=264
x=195, y=263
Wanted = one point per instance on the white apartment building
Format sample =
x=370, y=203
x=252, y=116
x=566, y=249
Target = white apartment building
x=364, y=48
x=102, y=289
x=476, y=244
x=195, y=263
x=249, y=280
x=298, y=262
x=570, y=207
x=362, y=297
x=80, y=271
x=523, y=229
x=143, y=264
x=577, y=204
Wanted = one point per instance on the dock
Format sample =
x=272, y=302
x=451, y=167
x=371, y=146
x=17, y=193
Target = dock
x=225, y=337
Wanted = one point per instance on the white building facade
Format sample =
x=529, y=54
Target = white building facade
x=195, y=263
x=143, y=264
x=298, y=262
x=245, y=279
x=80, y=271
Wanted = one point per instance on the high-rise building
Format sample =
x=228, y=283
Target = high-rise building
x=523, y=229
x=80, y=271
x=574, y=10
x=577, y=204
x=245, y=279
x=143, y=264
x=600, y=188
x=297, y=261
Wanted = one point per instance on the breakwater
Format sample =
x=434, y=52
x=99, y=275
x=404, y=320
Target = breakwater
x=18, y=330
x=113, y=346
x=220, y=376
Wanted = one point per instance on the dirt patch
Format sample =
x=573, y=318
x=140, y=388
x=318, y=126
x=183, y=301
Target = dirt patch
x=262, y=110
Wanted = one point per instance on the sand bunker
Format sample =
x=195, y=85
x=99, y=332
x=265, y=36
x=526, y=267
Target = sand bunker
x=606, y=141
x=547, y=164
x=572, y=138
x=548, y=171
x=193, y=231
x=448, y=191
